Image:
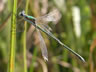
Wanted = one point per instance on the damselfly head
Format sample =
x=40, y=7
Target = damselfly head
x=22, y=13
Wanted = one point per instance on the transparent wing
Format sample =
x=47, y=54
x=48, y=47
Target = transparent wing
x=43, y=46
x=52, y=16
x=19, y=25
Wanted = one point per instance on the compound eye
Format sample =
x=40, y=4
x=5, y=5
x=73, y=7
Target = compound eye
x=21, y=13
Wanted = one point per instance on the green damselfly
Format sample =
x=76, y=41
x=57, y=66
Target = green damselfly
x=39, y=24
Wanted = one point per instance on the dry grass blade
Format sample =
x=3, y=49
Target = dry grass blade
x=44, y=67
x=67, y=65
x=44, y=6
x=92, y=47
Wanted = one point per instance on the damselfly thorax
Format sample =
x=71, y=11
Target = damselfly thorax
x=30, y=18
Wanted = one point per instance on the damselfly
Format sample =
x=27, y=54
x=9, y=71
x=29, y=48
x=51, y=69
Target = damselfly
x=39, y=24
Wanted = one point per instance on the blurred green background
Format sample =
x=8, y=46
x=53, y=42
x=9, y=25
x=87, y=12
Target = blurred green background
x=76, y=29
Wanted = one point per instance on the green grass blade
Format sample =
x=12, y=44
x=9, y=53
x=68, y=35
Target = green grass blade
x=33, y=60
x=24, y=39
x=11, y=66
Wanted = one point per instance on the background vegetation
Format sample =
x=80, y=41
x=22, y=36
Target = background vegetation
x=76, y=28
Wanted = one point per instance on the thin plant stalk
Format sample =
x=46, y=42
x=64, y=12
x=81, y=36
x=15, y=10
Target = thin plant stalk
x=11, y=65
x=24, y=39
x=33, y=60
